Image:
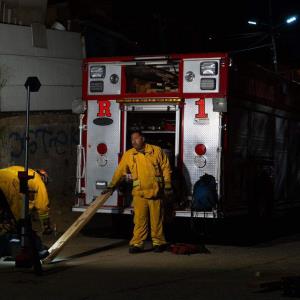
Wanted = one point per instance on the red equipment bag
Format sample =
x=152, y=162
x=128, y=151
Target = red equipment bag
x=186, y=249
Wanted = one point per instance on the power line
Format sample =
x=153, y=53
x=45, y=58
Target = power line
x=252, y=48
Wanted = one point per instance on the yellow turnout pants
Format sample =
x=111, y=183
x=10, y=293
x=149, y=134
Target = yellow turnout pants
x=143, y=208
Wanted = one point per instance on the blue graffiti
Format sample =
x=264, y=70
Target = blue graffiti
x=44, y=140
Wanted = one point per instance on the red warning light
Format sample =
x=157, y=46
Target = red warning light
x=200, y=149
x=102, y=148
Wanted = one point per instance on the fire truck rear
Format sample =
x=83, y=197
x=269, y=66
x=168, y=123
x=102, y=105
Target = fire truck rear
x=240, y=131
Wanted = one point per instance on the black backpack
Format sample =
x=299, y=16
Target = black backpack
x=205, y=195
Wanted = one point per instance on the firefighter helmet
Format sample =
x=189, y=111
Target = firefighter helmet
x=43, y=174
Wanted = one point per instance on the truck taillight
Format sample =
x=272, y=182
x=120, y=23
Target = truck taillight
x=200, y=149
x=102, y=148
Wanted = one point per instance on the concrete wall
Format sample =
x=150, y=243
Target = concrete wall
x=58, y=68
x=53, y=140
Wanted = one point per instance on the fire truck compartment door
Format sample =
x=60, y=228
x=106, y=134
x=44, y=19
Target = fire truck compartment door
x=100, y=168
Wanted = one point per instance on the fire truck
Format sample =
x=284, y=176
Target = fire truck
x=237, y=122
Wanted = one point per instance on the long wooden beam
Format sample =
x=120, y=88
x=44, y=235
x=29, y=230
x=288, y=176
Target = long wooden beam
x=76, y=227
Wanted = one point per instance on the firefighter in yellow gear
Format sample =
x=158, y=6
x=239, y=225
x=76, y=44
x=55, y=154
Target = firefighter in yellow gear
x=150, y=172
x=38, y=196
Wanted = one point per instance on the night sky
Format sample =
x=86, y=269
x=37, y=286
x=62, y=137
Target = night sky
x=211, y=26
x=161, y=27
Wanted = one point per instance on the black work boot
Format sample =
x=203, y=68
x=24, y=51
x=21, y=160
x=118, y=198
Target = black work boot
x=160, y=248
x=135, y=249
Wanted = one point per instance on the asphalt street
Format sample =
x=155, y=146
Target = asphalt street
x=101, y=268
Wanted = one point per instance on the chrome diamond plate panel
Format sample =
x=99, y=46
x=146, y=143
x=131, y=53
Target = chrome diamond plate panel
x=193, y=65
x=205, y=132
x=101, y=168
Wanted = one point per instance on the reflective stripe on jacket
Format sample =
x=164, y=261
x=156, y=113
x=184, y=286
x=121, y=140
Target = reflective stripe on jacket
x=150, y=171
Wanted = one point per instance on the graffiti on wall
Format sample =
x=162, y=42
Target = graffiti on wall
x=43, y=140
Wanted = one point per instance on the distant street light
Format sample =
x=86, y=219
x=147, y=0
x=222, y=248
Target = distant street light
x=291, y=19
x=252, y=22
x=272, y=31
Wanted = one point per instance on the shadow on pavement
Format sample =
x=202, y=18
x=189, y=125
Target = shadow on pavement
x=98, y=249
x=290, y=286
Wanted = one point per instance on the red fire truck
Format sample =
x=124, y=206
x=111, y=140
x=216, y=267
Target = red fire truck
x=239, y=123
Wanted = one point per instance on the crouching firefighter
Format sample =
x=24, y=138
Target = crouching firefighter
x=151, y=178
x=10, y=243
x=38, y=196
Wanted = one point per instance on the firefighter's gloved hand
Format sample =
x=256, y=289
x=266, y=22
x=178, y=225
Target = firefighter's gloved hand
x=47, y=229
x=108, y=190
x=168, y=192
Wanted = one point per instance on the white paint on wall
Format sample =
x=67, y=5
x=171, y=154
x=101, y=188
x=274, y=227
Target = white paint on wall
x=58, y=68
x=47, y=99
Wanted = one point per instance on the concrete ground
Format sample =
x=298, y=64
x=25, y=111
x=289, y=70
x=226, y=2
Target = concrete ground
x=102, y=268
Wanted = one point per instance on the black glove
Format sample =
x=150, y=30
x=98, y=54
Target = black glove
x=168, y=192
x=47, y=229
x=107, y=190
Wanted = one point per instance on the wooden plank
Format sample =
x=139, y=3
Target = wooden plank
x=76, y=227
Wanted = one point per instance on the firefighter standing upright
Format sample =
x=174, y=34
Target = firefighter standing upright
x=150, y=171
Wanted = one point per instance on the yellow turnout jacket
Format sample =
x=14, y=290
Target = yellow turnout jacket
x=9, y=184
x=150, y=171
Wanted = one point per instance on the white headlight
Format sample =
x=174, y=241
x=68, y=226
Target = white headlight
x=209, y=68
x=189, y=76
x=97, y=72
x=114, y=78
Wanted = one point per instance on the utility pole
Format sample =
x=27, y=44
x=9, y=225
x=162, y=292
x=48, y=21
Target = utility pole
x=272, y=30
x=272, y=35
